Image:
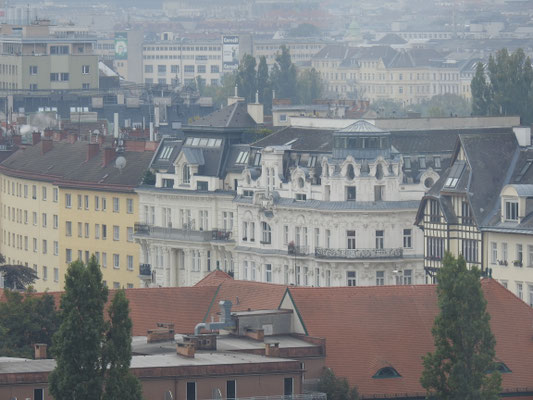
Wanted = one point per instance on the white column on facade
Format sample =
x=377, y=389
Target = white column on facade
x=173, y=268
x=166, y=262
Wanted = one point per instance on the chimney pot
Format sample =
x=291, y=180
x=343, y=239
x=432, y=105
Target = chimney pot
x=92, y=150
x=36, y=137
x=40, y=351
x=46, y=145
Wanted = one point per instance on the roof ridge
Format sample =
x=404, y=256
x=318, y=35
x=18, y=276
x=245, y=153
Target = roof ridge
x=235, y=105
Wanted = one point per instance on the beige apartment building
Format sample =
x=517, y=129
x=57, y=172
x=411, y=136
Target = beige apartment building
x=381, y=72
x=301, y=50
x=35, y=58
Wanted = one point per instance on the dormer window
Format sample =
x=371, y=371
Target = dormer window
x=511, y=211
x=350, y=173
x=186, y=174
x=350, y=193
x=387, y=372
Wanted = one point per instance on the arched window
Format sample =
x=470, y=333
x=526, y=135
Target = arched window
x=379, y=171
x=386, y=372
x=186, y=176
x=350, y=173
x=266, y=233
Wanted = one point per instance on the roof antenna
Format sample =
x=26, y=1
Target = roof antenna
x=236, y=90
x=257, y=97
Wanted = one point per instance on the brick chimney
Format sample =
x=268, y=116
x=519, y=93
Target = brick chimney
x=185, y=349
x=92, y=150
x=272, y=349
x=48, y=133
x=40, y=351
x=46, y=145
x=109, y=155
x=35, y=137
x=72, y=138
x=17, y=140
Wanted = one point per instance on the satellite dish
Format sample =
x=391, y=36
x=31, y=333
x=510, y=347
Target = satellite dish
x=96, y=132
x=168, y=395
x=120, y=163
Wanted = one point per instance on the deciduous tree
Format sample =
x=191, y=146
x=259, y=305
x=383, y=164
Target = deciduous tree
x=336, y=388
x=461, y=365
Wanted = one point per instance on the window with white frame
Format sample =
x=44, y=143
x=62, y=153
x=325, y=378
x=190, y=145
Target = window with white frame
x=56, y=247
x=245, y=231
x=245, y=270
x=351, y=278
x=504, y=253
x=380, y=278
x=520, y=290
x=116, y=204
x=328, y=278
x=379, y=239
x=186, y=174
x=407, y=238
x=306, y=276
x=268, y=272
x=350, y=237
x=530, y=294
x=116, y=261
x=68, y=200
x=511, y=210
x=266, y=233
x=328, y=238
x=298, y=275
x=285, y=234
x=252, y=232
x=469, y=250
x=204, y=220
x=116, y=232
x=530, y=256
x=130, y=233
x=104, y=259
x=317, y=237
x=130, y=262
x=253, y=274
x=317, y=277
x=493, y=252
x=129, y=206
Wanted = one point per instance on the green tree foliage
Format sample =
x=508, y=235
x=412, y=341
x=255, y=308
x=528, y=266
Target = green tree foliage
x=509, y=89
x=16, y=277
x=464, y=344
x=79, y=373
x=26, y=319
x=220, y=94
x=120, y=382
x=264, y=86
x=443, y=105
x=386, y=108
x=336, y=388
x=283, y=76
x=148, y=178
x=246, y=78
x=481, y=96
x=310, y=86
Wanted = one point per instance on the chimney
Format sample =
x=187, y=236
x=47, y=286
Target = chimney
x=92, y=150
x=17, y=140
x=185, y=349
x=46, y=145
x=115, y=125
x=48, y=133
x=72, y=138
x=523, y=135
x=40, y=351
x=272, y=349
x=109, y=155
x=35, y=137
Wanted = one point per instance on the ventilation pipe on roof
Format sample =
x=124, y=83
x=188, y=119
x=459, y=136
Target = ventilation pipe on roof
x=151, y=131
x=225, y=321
x=115, y=125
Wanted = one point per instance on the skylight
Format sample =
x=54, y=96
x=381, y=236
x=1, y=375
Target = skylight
x=203, y=142
x=455, y=174
x=166, y=152
x=242, y=158
x=386, y=372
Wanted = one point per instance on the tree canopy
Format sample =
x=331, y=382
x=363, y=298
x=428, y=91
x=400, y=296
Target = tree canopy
x=336, y=388
x=26, y=319
x=16, y=277
x=91, y=354
x=508, y=90
x=462, y=365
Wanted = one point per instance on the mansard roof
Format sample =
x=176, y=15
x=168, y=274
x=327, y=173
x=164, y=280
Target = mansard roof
x=234, y=116
x=362, y=126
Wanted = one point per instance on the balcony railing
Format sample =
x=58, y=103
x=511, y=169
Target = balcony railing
x=158, y=232
x=321, y=252
x=145, y=270
x=294, y=250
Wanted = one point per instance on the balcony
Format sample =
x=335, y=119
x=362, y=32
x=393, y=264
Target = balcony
x=189, y=235
x=294, y=250
x=355, y=254
x=145, y=270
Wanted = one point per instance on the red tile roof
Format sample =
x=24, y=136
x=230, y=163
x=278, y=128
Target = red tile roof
x=214, y=278
x=368, y=328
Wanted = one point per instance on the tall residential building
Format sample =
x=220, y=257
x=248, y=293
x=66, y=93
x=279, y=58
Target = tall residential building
x=67, y=200
x=34, y=58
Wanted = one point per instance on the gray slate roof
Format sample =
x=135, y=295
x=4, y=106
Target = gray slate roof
x=235, y=116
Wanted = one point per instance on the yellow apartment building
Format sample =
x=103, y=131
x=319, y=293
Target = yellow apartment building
x=66, y=200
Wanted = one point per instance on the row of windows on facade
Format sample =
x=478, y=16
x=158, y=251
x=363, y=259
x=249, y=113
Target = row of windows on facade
x=34, y=86
x=301, y=275
x=197, y=260
x=182, y=48
x=100, y=231
x=21, y=242
x=301, y=236
x=186, y=218
x=519, y=291
x=199, y=58
x=101, y=258
x=59, y=76
x=435, y=248
x=502, y=257
x=100, y=203
x=175, y=69
x=164, y=81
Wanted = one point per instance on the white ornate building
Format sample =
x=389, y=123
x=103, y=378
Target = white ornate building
x=306, y=207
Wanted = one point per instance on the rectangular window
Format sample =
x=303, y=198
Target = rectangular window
x=317, y=277
x=56, y=274
x=350, y=193
x=266, y=233
x=434, y=211
x=191, y=391
x=519, y=255
x=520, y=290
x=55, y=194
x=56, y=247
x=34, y=245
x=407, y=238
x=80, y=228
x=68, y=255
x=469, y=250
x=45, y=273
x=130, y=262
x=231, y=390
x=493, y=252
x=79, y=202
x=115, y=204
x=116, y=232
x=44, y=220
x=380, y=278
x=33, y=69
x=96, y=203
x=85, y=69
x=285, y=234
x=97, y=231
x=466, y=214
x=530, y=255
x=86, y=202
x=130, y=234
x=45, y=246
x=268, y=272
x=129, y=206
x=104, y=260
x=350, y=236
x=34, y=218
x=104, y=232
x=116, y=261
x=530, y=295
x=379, y=191
x=380, y=239
x=504, y=253
x=351, y=278
x=68, y=228
x=86, y=229
x=511, y=211
x=44, y=194
x=104, y=204
x=34, y=192
x=68, y=200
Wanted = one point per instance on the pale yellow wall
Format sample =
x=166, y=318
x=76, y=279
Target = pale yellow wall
x=511, y=275
x=15, y=205
x=123, y=219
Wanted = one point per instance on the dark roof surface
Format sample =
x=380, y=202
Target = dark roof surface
x=235, y=116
